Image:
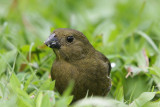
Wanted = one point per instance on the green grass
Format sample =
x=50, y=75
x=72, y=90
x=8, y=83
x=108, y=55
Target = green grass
x=126, y=31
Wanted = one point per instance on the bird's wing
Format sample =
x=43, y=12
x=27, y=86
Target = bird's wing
x=105, y=60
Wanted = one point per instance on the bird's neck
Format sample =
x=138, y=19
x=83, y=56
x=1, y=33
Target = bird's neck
x=74, y=58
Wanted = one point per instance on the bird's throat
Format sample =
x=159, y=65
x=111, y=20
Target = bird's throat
x=56, y=51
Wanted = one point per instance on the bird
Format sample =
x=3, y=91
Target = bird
x=77, y=60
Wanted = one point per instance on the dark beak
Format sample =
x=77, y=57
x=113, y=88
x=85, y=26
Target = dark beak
x=52, y=42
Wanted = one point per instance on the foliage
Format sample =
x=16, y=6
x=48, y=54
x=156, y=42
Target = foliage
x=126, y=31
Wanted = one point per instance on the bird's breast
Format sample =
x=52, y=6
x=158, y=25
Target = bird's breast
x=86, y=74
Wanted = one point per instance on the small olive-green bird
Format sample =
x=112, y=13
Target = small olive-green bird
x=76, y=59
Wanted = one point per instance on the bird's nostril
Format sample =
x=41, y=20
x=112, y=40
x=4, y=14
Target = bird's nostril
x=53, y=43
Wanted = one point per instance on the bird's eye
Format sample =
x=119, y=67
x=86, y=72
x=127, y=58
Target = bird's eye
x=70, y=38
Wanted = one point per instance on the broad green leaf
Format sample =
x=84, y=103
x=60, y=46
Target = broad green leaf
x=120, y=95
x=39, y=99
x=47, y=85
x=22, y=102
x=156, y=75
x=69, y=89
x=61, y=102
x=14, y=81
x=143, y=99
x=69, y=99
x=28, y=82
x=157, y=62
x=46, y=101
x=9, y=103
x=52, y=85
x=23, y=98
x=135, y=86
x=152, y=104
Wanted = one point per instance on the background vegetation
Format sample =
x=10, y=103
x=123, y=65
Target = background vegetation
x=126, y=31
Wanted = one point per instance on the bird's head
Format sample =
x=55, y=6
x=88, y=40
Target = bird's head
x=69, y=44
